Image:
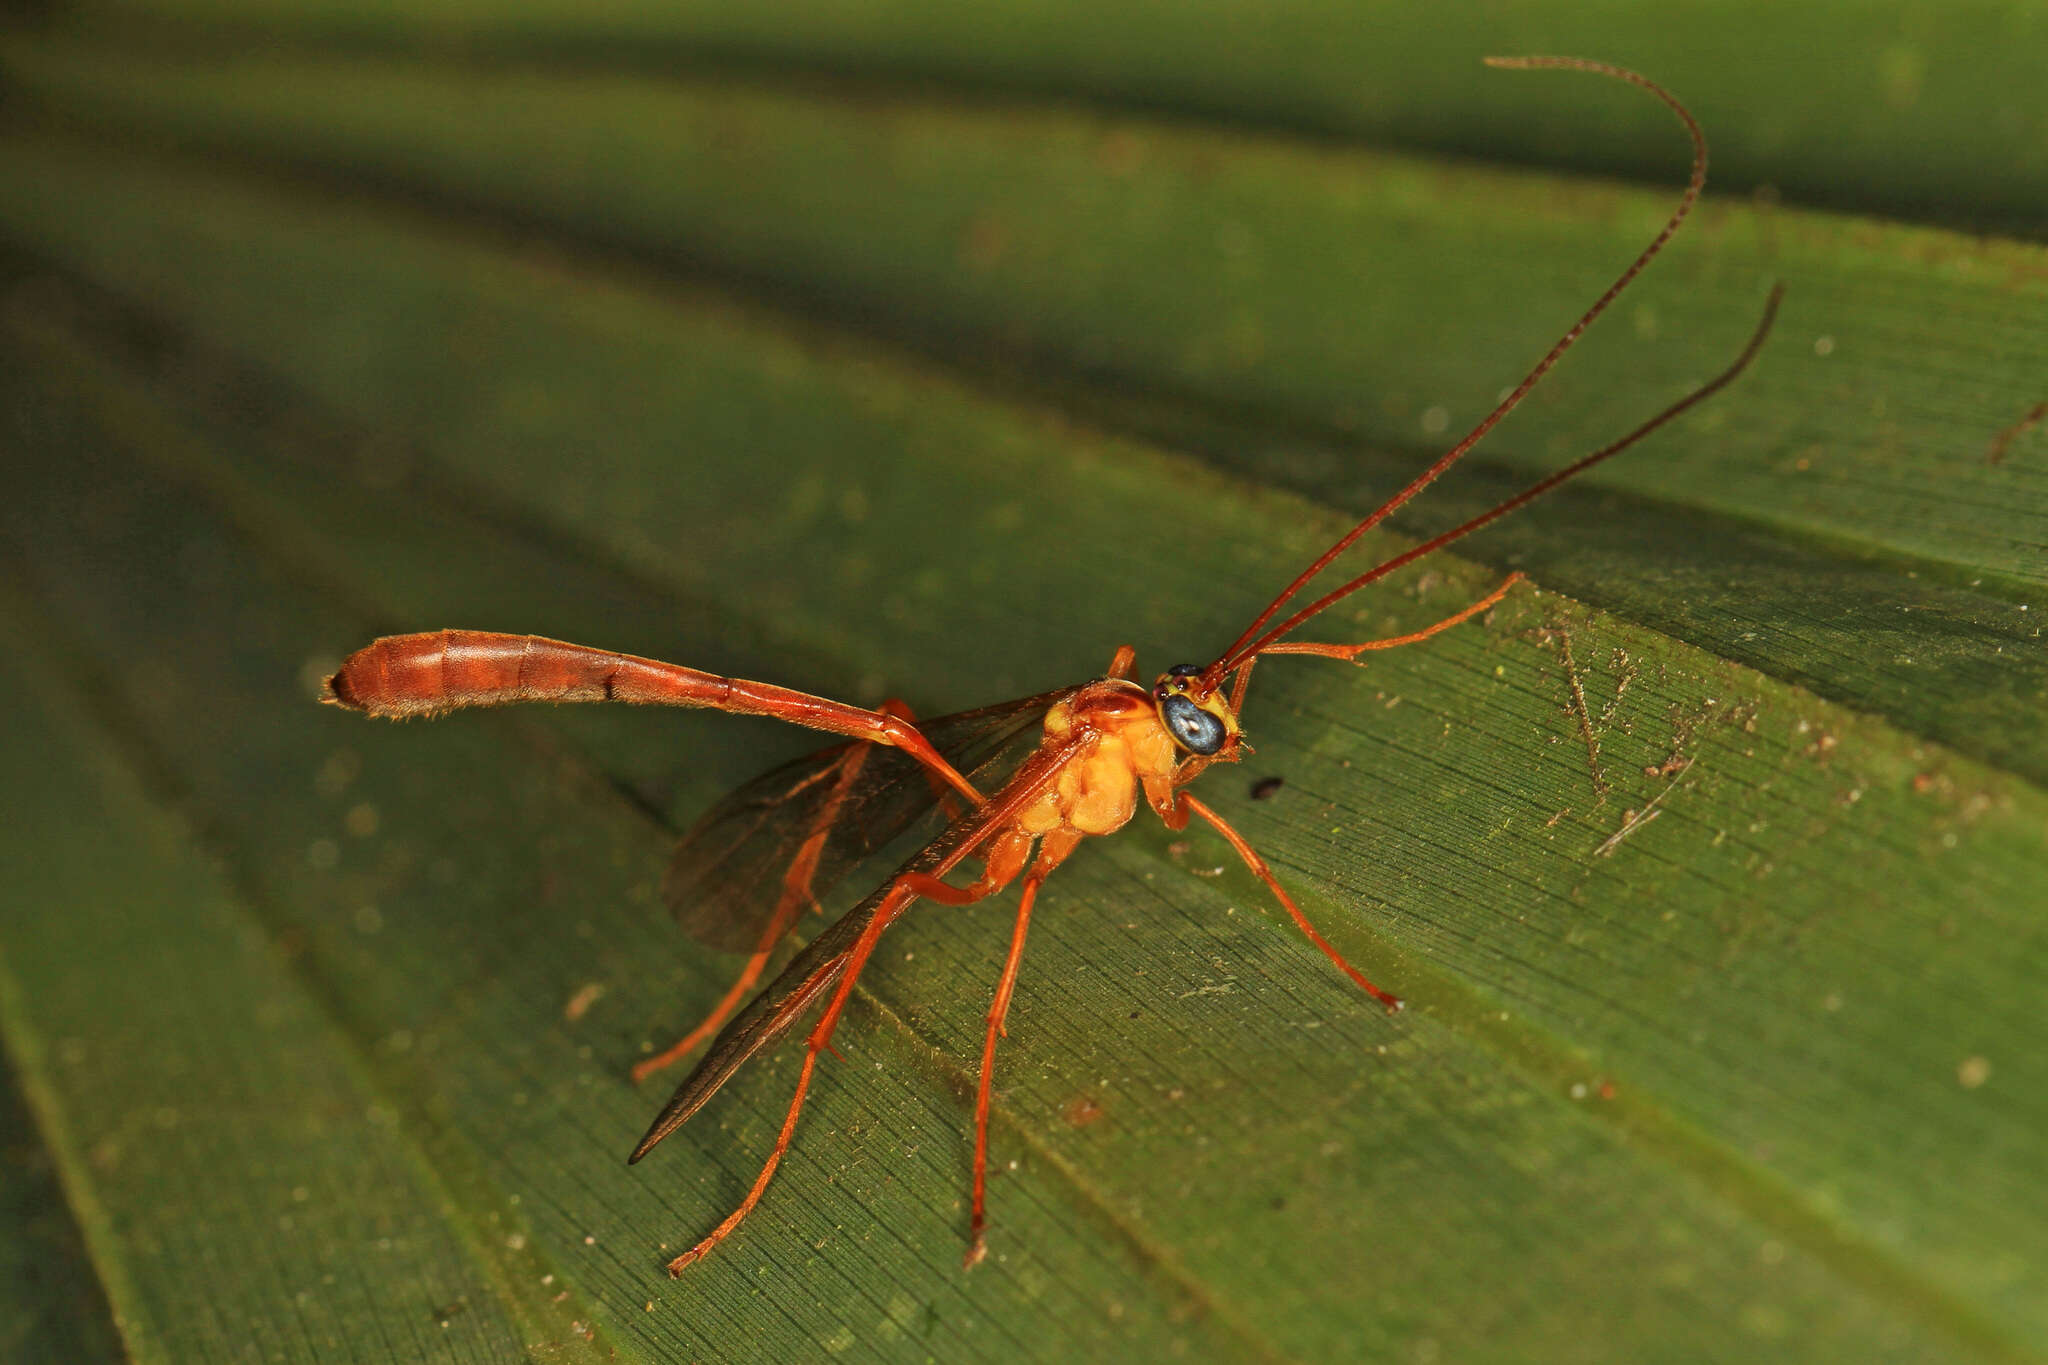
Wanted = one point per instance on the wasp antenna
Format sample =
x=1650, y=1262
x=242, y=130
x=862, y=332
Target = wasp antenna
x=1244, y=647
x=1535, y=490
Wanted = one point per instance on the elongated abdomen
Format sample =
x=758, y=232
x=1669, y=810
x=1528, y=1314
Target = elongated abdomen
x=444, y=670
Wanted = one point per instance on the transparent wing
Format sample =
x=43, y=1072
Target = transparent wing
x=765, y=852
x=820, y=963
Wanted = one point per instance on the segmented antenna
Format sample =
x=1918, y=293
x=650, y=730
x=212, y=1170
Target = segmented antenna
x=1248, y=644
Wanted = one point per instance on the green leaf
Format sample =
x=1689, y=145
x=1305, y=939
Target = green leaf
x=1719, y=912
x=1919, y=111
x=1258, y=303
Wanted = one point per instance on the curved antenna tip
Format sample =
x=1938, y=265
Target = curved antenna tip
x=1524, y=63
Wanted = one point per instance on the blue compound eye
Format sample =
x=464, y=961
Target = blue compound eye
x=1192, y=728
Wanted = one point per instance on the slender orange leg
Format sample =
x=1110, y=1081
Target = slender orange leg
x=1265, y=874
x=720, y=1012
x=1006, y=855
x=797, y=892
x=1176, y=814
x=820, y=1038
x=977, y=1245
x=906, y=889
x=1392, y=642
x=1052, y=852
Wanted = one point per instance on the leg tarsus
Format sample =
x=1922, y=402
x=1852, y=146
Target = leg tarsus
x=732, y=1220
x=902, y=893
x=1265, y=874
x=1052, y=851
x=998, y=1012
x=820, y=1039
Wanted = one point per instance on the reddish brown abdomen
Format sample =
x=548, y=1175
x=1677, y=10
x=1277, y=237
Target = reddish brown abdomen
x=444, y=670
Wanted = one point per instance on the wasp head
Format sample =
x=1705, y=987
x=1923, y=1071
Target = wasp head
x=1200, y=721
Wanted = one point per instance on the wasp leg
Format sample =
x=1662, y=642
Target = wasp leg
x=1265, y=874
x=1005, y=859
x=1052, y=851
x=797, y=893
x=1395, y=641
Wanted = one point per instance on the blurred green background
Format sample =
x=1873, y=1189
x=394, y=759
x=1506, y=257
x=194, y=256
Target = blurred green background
x=935, y=350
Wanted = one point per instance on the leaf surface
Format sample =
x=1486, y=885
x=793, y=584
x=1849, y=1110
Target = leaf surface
x=1719, y=909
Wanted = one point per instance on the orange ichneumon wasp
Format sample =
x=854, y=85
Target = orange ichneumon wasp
x=746, y=871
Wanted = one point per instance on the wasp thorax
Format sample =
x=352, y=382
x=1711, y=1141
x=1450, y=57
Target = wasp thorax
x=1200, y=722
